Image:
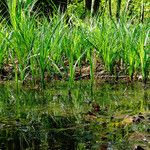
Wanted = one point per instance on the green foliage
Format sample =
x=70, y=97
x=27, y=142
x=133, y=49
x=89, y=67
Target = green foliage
x=37, y=46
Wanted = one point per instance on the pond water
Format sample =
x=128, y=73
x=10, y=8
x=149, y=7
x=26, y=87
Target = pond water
x=91, y=117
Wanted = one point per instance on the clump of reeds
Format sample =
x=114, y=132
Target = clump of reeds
x=38, y=47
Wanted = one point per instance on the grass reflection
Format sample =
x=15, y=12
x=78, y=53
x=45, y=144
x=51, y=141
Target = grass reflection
x=84, y=117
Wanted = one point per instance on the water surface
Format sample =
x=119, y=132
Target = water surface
x=100, y=116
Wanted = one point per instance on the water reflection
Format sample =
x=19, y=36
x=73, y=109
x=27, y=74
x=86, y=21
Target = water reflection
x=84, y=117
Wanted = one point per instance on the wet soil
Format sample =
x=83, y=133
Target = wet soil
x=7, y=72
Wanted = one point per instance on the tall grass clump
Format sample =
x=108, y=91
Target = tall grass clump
x=144, y=53
x=41, y=48
x=122, y=43
x=3, y=45
x=75, y=49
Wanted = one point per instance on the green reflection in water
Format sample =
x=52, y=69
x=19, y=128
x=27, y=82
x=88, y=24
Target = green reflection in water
x=100, y=116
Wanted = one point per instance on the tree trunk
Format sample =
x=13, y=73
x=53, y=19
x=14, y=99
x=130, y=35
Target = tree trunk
x=110, y=11
x=142, y=13
x=118, y=10
x=92, y=5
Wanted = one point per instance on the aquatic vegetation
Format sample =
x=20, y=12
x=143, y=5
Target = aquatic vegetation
x=41, y=49
x=109, y=43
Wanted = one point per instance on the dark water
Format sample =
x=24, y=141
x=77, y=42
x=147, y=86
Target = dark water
x=98, y=117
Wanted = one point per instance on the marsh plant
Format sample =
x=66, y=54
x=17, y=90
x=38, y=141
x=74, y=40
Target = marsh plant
x=39, y=48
